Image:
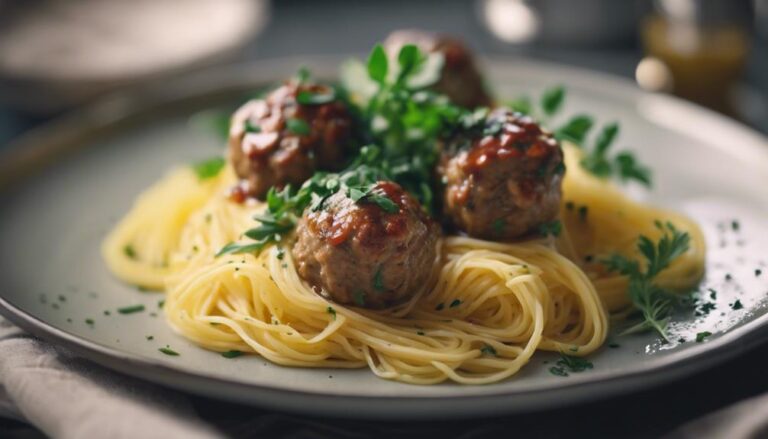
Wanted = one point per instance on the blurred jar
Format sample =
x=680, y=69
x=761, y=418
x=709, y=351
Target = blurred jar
x=696, y=48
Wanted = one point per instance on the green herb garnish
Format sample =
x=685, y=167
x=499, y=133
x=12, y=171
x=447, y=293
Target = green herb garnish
x=576, y=129
x=131, y=309
x=551, y=228
x=309, y=98
x=298, y=126
x=552, y=100
x=489, y=350
x=332, y=312
x=623, y=165
x=232, y=354
x=654, y=303
x=702, y=335
x=210, y=168
x=378, y=280
x=129, y=251
x=168, y=351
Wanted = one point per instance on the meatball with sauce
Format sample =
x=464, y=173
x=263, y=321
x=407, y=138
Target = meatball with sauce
x=364, y=254
x=505, y=182
x=278, y=140
x=460, y=79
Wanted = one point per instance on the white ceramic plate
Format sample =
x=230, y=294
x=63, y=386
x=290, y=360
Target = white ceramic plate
x=68, y=183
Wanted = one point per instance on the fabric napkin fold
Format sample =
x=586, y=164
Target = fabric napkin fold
x=67, y=397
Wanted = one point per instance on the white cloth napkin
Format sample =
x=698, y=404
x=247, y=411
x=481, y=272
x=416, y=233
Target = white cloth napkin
x=66, y=397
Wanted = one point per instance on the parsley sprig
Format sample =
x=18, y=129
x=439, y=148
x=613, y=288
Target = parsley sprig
x=623, y=165
x=284, y=207
x=598, y=159
x=403, y=117
x=654, y=303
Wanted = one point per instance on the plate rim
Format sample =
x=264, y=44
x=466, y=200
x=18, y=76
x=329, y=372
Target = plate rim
x=663, y=369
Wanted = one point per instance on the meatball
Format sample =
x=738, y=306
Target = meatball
x=505, y=181
x=361, y=253
x=460, y=80
x=277, y=140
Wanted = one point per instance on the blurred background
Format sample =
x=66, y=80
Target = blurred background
x=56, y=55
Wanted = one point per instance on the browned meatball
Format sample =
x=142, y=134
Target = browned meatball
x=277, y=141
x=359, y=253
x=505, y=182
x=460, y=79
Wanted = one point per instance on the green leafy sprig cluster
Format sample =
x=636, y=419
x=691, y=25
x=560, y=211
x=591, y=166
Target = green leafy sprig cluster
x=653, y=303
x=598, y=159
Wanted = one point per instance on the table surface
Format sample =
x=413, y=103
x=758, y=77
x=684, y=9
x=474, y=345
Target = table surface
x=354, y=29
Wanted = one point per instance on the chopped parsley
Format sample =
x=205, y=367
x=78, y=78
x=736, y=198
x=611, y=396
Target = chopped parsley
x=89, y=322
x=131, y=309
x=309, y=98
x=150, y=337
x=455, y=303
x=298, y=126
x=359, y=298
x=551, y=228
x=583, y=210
x=702, y=335
x=210, y=168
x=489, y=350
x=737, y=305
x=378, y=281
x=332, y=312
x=231, y=354
x=559, y=371
x=168, y=351
x=129, y=251
x=705, y=308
